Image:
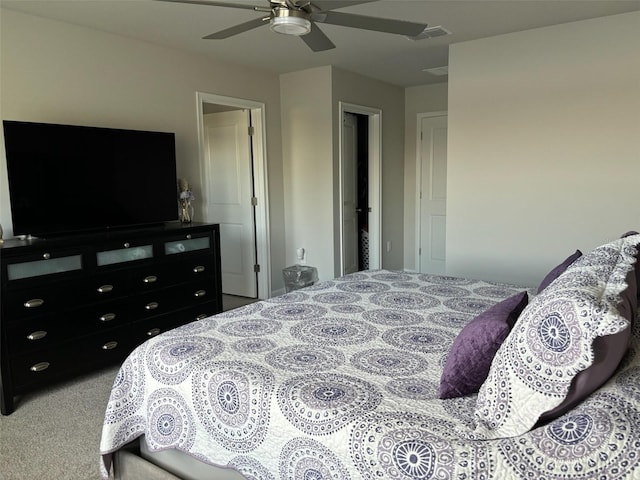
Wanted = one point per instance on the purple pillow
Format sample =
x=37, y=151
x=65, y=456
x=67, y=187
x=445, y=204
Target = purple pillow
x=470, y=357
x=558, y=269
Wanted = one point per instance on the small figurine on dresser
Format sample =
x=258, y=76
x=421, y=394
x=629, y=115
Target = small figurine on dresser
x=185, y=197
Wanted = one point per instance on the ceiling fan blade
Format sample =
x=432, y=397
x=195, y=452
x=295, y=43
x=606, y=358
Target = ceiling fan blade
x=325, y=5
x=316, y=40
x=387, y=25
x=240, y=28
x=220, y=4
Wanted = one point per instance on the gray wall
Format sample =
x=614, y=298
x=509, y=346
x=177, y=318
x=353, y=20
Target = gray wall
x=308, y=167
x=543, y=146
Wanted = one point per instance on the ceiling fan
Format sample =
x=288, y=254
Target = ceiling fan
x=299, y=17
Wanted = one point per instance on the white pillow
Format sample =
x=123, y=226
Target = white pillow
x=552, y=340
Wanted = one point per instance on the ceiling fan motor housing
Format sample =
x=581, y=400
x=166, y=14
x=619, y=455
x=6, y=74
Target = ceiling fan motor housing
x=290, y=21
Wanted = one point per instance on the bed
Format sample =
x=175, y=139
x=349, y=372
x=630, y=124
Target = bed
x=344, y=379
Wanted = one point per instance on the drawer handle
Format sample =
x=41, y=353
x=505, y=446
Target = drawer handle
x=150, y=279
x=198, y=269
x=107, y=317
x=110, y=345
x=105, y=288
x=200, y=293
x=37, y=335
x=39, y=367
x=153, y=332
x=201, y=316
x=126, y=244
x=46, y=256
x=151, y=306
x=188, y=236
x=34, y=302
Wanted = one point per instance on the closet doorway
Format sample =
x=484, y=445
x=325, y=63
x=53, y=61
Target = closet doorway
x=360, y=136
x=233, y=166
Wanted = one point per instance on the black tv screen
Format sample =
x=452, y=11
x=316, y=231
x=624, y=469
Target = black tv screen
x=65, y=179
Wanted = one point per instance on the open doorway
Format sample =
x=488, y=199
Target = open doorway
x=360, y=138
x=233, y=167
x=355, y=192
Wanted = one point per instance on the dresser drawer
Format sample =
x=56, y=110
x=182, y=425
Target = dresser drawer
x=37, y=301
x=42, y=366
x=37, y=333
x=194, y=293
x=123, y=252
x=152, y=277
x=192, y=268
x=68, y=357
x=43, y=267
x=105, y=287
x=100, y=316
x=184, y=245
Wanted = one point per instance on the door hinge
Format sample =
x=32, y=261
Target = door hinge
x=256, y=268
x=419, y=251
x=252, y=131
x=254, y=201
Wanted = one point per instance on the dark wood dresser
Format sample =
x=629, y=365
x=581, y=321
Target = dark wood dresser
x=71, y=305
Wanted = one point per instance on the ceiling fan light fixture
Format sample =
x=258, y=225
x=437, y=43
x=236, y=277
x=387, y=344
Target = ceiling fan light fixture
x=290, y=22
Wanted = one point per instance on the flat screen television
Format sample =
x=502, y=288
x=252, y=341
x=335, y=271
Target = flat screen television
x=67, y=179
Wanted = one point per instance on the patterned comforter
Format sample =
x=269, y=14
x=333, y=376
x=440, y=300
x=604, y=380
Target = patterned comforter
x=340, y=381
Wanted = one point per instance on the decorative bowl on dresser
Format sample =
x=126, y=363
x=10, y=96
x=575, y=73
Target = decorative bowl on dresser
x=74, y=304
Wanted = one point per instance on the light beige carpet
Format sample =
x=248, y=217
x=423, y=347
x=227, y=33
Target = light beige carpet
x=54, y=432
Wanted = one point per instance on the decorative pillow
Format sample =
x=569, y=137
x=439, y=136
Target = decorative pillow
x=473, y=349
x=608, y=351
x=553, y=340
x=558, y=269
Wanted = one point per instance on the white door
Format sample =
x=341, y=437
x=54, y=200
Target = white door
x=433, y=194
x=230, y=191
x=349, y=193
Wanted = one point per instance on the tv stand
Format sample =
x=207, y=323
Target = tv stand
x=76, y=304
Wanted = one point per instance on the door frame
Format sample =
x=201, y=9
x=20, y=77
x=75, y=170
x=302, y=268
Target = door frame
x=418, y=199
x=258, y=139
x=375, y=177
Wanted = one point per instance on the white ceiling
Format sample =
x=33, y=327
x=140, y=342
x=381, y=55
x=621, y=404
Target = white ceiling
x=391, y=58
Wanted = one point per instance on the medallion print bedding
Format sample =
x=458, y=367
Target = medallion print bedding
x=340, y=381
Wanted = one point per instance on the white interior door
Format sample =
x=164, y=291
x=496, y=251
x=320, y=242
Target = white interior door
x=229, y=200
x=433, y=194
x=349, y=193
